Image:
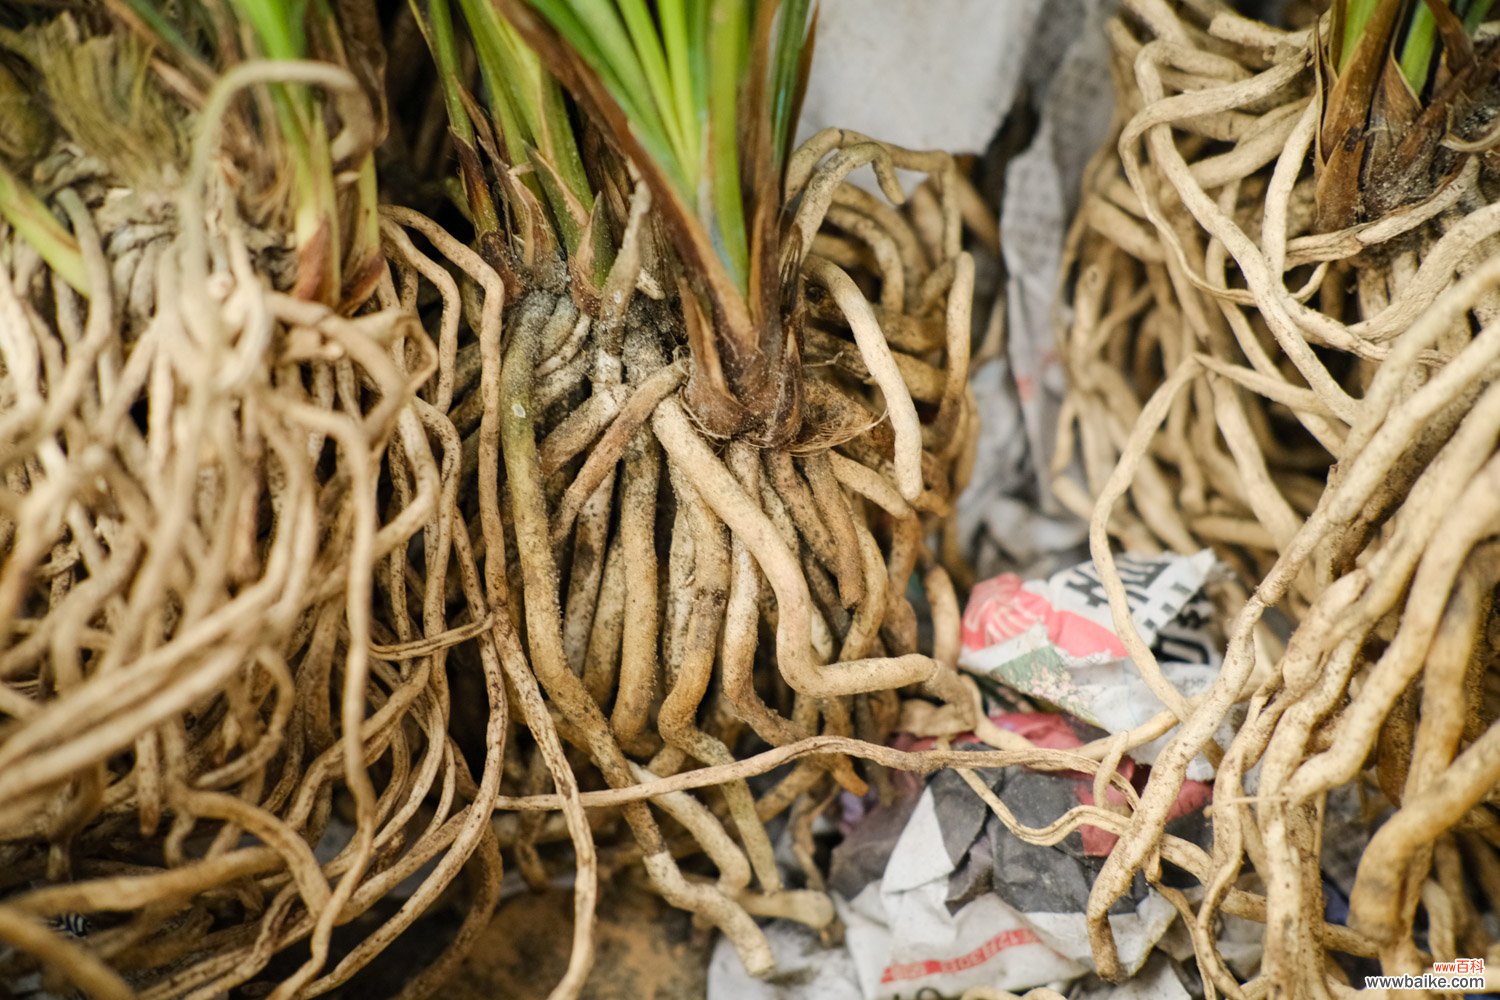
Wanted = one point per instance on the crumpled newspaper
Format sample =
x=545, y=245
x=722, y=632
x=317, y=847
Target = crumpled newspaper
x=1054, y=640
x=961, y=901
x=1008, y=517
x=805, y=969
x=1069, y=72
x=936, y=895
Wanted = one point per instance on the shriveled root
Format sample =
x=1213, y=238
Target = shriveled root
x=1320, y=408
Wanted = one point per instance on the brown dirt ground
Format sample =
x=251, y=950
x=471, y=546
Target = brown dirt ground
x=646, y=951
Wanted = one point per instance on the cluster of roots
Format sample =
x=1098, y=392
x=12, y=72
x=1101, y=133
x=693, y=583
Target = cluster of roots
x=247, y=542
x=212, y=748
x=676, y=598
x=1322, y=409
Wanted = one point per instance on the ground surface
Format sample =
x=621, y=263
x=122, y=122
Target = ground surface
x=646, y=951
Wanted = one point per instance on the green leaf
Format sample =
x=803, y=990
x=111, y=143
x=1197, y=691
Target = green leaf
x=679, y=39
x=39, y=227
x=1357, y=14
x=679, y=72
x=648, y=50
x=1417, y=49
x=728, y=33
x=437, y=28
x=278, y=24
x=531, y=116
x=1475, y=13
x=597, y=31
x=791, y=36
x=498, y=70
